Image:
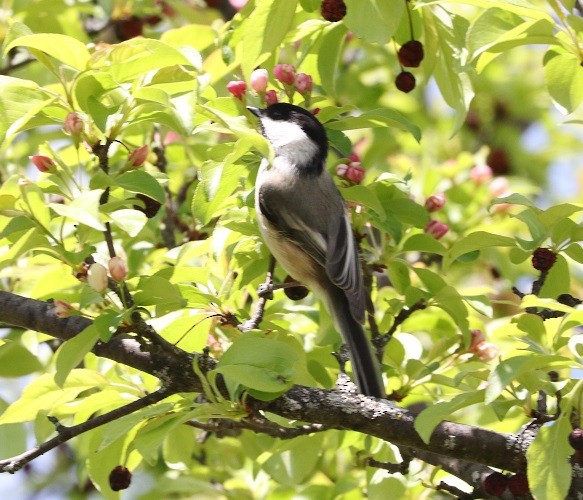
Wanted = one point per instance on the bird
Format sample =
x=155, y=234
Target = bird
x=304, y=222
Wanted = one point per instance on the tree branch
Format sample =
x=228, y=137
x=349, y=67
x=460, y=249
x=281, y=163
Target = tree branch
x=329, y=408
x=65, y=433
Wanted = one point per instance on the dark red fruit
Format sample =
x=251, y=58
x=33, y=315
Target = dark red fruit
x=498, y=161
x=518, y=484
x=543, y=259
x=576, y=439
x=405, y=81
x=333, y=10
x=151, y=206
x=473, y=121
x=295, y=292
x=411, y=54
x=152, y=20
x=128, y=27
x=495, y=484
x=120, y=478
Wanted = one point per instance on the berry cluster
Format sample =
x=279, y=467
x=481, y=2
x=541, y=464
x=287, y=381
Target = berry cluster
x=289, y=80
x=410, y=56
x=496, y=484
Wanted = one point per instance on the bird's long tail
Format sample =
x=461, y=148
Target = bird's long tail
x=365, y=366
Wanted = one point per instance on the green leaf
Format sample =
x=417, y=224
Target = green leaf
x=130, y=221
x=264, y=30
x=20, y=102
x=35, y=205
x=137, y=56
x=84, y=209
x=423, y=243
x=66, y=49
x=297, y=461
x=154, y=290
x=16, y=360
x=260, y=363
x=138, y=181
x=398, y=273
x=477, y=240
x=380, y=117
x=548, y=469
x=452, y=72
x=431, y=416
x=71, y=353
x=558, y=280
x=449, y=299
x=498, y=31
x=329, y=56
x=564, y=78
x=44, y=394
x=524, y=8
x=374, y=20
x=509, y=369
x=366, y=197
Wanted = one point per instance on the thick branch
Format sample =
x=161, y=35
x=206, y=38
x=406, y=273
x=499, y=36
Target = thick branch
x=334, y=409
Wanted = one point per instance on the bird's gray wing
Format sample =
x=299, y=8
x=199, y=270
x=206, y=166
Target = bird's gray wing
x=288, y=216
x=343, y=264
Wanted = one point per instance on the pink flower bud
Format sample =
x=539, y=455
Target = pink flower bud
x=259, y=79
x=354, y=158
x=341, y=170
x=481, y=174
x=97, y=278
x=171, y=137
x=435, y=202
x=118, y=269
x=499, y=187
x=43, y=163
x=238, y=88
x=304, y=84
x=285, y=73
x=486, y=351
x=73, y=124
x=477, y=338
x=62, y=309
x=138, y=156
x=271, y=97
x=315, y=111
x=436, y=229
x=352, y=172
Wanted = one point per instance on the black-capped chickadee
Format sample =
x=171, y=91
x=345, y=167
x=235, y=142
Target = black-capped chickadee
x=304, y=223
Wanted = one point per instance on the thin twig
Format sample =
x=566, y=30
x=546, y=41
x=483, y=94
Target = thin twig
x=65, y=433
x=400, y=318
x=261, y=426
x=257, y=317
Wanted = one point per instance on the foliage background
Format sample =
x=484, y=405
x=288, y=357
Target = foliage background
x=501, y=85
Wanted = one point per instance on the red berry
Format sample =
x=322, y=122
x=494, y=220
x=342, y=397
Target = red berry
x=498, y=161
x=333, y=10
x=543, y=259
x=411, y=54
x=495, y=484
x=295, y=292
x=120, y=478
x=576, y=439
x=128, y=27
x=405, y=81
x=518, y=484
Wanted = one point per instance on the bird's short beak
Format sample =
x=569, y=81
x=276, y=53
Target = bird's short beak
x=256, y=111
